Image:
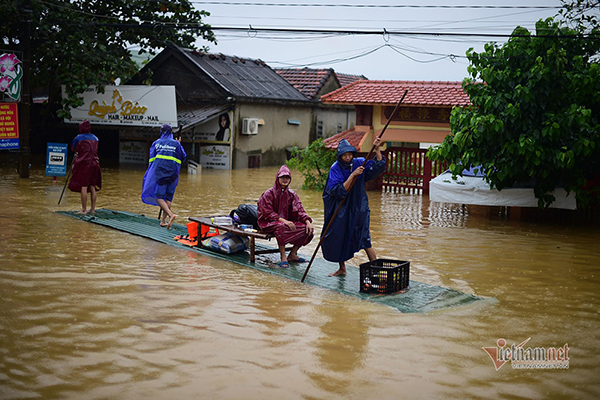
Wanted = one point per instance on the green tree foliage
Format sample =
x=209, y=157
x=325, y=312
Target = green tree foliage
x=535, y=112
x=79, y=43
x=313, y=163
x=581, y=15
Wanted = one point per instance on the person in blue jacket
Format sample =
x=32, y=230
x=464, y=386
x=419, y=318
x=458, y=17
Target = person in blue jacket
x=349, y=231
x=162, y=175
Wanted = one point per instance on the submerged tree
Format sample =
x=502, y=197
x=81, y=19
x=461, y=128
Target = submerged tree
x=313, y=163
x=535, y=112
x=79, y=43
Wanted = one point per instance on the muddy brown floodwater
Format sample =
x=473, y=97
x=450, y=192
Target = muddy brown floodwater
x=88, y=312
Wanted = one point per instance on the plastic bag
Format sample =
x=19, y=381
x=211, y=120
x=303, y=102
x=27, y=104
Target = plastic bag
x=227, y=243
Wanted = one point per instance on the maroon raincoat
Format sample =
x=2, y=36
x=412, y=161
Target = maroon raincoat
x=276, y=203
x=86, y=166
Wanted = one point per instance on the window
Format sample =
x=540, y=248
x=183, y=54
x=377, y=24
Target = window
x=340, y=128
x=319, y=129
x=254, y=161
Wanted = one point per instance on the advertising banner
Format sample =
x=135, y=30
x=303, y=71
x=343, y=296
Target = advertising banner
x=150, y=106
x=216, y=157
x=56, y=159
x=9, y=126
x=11, y=74
x=218, y=129
x=133, y=152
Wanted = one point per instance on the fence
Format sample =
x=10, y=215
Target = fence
x=408, y=170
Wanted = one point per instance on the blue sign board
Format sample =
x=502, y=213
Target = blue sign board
x=56, y=159
x=7, y=144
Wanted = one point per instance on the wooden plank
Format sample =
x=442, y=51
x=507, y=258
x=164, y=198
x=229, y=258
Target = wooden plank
x=208, y=221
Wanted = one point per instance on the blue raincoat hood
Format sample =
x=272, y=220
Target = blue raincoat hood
x=166, y=132
x=345, y=147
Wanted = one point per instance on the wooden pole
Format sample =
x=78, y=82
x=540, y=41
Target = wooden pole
x=350, y=188
x=25, y=104
x=67, y=181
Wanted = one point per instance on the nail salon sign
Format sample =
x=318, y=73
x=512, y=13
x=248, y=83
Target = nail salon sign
x=127, y=105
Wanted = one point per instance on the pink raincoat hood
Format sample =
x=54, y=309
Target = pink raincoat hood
x=283, y=171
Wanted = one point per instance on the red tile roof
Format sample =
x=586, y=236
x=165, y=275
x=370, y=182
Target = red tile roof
x=310, y=81
x=351, y=135
x=307, y=80
x=427, y=93
x=346, y=79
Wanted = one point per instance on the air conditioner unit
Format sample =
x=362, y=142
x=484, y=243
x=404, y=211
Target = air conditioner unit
x=250, y=126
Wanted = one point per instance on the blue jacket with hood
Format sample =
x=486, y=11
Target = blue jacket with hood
x=349, y=231
x=166, y=156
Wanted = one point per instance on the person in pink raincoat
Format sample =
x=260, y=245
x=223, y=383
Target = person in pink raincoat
x=280, y=212
x=87, y=176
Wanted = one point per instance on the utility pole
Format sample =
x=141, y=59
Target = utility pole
x=25, y=105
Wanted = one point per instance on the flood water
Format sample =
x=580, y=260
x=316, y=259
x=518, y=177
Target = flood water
x=88, y=312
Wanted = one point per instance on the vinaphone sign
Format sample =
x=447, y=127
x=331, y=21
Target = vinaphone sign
x=127, y=105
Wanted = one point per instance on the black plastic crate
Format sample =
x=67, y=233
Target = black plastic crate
x=384, y=276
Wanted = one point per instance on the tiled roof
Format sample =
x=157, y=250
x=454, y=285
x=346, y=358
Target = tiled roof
x=346, y=79
x=310, y=81
x=307, y=80
x=428, y=93
x=244, y=77
x=351, y=135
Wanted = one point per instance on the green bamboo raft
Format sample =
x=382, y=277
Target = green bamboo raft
x=418, y=298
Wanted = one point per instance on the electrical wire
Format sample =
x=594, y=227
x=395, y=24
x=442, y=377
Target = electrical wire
x=229, y=3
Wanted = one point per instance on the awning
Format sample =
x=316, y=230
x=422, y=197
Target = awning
x=187, y=118
x=194, y=116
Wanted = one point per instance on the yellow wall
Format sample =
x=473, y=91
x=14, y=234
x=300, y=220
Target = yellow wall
x=415, y=132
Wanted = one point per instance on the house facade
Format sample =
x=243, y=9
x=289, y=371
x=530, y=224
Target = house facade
x=327, y=119
x=422, y=119
x=233, y=112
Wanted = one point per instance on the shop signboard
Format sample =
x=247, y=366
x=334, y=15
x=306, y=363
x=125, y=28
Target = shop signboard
x=9, y=126
x=127, y=105
x=56, y=159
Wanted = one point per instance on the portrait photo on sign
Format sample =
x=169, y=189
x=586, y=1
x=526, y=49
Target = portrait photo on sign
x=224, y=132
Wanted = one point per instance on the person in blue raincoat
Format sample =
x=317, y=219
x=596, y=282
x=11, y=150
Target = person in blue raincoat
x=349, y=231
x=162, y=175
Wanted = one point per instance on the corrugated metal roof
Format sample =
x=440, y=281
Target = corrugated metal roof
x=198, y=115
x=185, y=118
x=244, y=77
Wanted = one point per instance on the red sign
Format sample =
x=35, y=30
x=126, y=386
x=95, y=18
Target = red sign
x=9, y=121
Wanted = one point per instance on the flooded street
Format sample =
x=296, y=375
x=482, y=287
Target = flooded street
x=89, y=312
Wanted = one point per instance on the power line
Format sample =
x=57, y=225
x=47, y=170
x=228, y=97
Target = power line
x=225, y=3
x=253, y=30
x=397, y=49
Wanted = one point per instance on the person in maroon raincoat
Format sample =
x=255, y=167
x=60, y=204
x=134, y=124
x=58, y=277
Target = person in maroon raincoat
x=86, y=167
x=281, y=213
